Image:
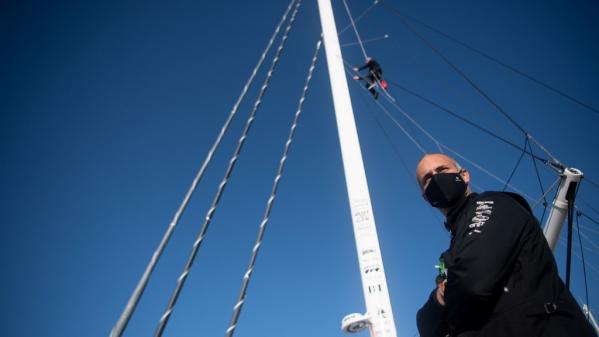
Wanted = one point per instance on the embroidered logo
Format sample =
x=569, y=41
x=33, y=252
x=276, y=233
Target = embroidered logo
x=483, y=212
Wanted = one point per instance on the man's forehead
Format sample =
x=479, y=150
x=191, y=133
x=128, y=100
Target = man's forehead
x=432, y=161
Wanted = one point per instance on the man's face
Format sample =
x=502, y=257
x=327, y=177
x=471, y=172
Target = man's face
x=433, y=164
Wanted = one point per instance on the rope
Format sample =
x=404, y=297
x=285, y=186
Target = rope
x=471, y=82
x=273, y=194
x=121, y=324
x=196, y=246
x=497, y=61
x=351, y=19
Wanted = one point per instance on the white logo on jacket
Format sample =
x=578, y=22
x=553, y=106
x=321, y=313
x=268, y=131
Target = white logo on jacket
x=483, y=212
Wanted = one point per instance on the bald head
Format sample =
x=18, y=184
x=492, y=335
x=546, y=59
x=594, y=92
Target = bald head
x=431, y=164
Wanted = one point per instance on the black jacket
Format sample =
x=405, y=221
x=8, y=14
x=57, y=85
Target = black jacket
x=502, y=278
x=373, y=68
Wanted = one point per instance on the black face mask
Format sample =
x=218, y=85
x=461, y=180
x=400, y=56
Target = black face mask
x=445, y=190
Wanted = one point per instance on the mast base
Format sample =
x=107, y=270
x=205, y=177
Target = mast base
x=355, y=322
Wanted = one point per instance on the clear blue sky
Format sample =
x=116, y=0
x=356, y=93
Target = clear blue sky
x=108, y=109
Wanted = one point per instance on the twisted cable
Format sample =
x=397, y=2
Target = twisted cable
x=121, y=324
x=196, y=246
x=273, y=194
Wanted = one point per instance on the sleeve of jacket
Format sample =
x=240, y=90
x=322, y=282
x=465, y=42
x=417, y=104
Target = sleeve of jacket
x=366, y=65
x=485, y=249
x=431, y=319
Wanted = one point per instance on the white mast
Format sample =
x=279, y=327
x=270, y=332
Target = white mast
x=567, y=188
x=378, y=316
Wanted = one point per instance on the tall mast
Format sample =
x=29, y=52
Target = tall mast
x=379, y=316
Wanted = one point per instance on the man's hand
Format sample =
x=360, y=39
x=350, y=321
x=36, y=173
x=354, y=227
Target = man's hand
x=440, y=293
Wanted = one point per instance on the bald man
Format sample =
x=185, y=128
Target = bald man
x=501, y=277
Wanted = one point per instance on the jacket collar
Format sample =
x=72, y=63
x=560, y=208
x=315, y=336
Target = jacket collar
x=453, y=214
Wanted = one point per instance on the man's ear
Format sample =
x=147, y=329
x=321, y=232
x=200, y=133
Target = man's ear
x=465, y=175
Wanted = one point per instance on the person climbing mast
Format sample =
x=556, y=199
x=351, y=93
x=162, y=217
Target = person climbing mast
x=374, y=76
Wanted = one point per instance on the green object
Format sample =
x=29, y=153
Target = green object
x=442, y=269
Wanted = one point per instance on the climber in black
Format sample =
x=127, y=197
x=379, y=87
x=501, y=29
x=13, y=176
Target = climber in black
x=374, y=76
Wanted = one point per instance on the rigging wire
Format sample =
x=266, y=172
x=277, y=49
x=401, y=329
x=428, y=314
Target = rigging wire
x=469, y=122
x=196, y=246
x=591, y=219
x=591, y=267
x=440, y=145
x=246, y=278
x=402, y=128
x=596, y=185
x=487, y=172
x=416, y=143
x=359, y=17
x=474, y=85
x=545, y=194
x=496, y=60
x=516, y=166
x=398, y=154
x=590, y=241
x=407, y=116
x=374, y=39
x=353, y=24
x=584, y=269
x=555, y=164
x=534, y=162
x=443, y=146
x=529, y=138
x=351, y=19
x=133, y=301
x=588, y=204
x=589, y=229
